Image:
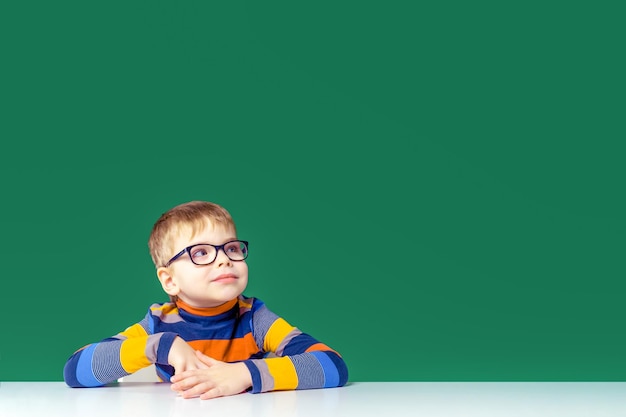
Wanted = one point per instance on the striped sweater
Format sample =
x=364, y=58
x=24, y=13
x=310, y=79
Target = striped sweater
x=240, y=330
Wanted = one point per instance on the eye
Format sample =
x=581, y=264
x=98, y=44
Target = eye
x=234, y=247
x=199, y=252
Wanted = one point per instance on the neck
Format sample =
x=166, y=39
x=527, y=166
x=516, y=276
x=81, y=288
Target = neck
x=206, y=311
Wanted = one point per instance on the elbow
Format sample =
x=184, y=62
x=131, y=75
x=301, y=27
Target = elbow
x=342, y=369
x=76, y=375
x=340, y=376
x=73, y=380
x=70, y=378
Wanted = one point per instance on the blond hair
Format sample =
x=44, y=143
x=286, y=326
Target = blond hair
x=189, y=217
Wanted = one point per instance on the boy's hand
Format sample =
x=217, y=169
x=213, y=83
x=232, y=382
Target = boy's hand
x=217, y=379
x=183, y=357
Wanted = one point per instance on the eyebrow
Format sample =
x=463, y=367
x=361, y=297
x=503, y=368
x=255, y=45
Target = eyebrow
x=213, y=244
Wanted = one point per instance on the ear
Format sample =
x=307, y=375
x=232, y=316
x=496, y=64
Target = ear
x=167, y=281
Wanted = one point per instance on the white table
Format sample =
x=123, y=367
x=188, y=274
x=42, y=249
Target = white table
x=380, y=399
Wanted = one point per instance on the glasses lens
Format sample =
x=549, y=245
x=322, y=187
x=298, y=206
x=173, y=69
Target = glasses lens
x=202, y=254
x=236, y=251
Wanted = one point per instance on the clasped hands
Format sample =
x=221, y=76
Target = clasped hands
x=198, y=375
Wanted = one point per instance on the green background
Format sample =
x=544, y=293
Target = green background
x=435, y=189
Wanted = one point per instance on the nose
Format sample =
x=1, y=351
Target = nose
x=221, y=258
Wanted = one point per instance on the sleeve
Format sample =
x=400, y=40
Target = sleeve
x=127, y=352
x=300, y=362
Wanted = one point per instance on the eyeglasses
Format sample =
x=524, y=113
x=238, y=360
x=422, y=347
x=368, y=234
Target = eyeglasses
x=205, y=253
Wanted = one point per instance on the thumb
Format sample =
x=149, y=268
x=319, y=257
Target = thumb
x=207, y=360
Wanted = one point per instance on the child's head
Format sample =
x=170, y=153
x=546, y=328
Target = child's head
x=198, y=258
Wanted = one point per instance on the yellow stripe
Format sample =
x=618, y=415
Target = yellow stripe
x=136, y=330
x=133, y=354
x=276, y=334
x=283, y=372
x=167, y=308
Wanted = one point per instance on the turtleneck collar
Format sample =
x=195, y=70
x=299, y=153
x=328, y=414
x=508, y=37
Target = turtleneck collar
x=206, y=311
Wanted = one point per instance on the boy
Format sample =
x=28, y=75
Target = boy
x=210, y=340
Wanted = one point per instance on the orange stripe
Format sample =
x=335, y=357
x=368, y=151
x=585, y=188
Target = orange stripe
x=207, y=311
x=318, y=347
x=227, y=350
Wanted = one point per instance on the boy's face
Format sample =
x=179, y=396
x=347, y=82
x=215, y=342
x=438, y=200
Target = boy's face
x=205, y=285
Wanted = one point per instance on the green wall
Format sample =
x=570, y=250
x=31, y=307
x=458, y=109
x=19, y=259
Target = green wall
x=435, y=189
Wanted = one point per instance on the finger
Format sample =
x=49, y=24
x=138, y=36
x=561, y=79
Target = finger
x=196, y=365
x=179, y=376
x=186, y=382
x=212, y=393
x=201, y=361
x=181, y=369
x=198, y=390
x=206, y=360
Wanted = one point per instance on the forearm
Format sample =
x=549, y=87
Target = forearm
x=106, y=361
x=303, y=362
x=309, y=370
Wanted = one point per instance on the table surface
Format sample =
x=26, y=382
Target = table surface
x=432, y=399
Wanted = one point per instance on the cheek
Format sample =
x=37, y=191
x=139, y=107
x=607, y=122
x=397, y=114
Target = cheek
x=243, y=269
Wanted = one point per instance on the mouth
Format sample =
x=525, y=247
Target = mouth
x=225, y=278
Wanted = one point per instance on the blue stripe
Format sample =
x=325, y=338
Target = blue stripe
x=331, y=376
x=84, y=372
x=299, y=344
x=165, y=372
x=257, y=382
x=69, y=371
x=197, y=329
x=341, y=366
x=165, y=345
